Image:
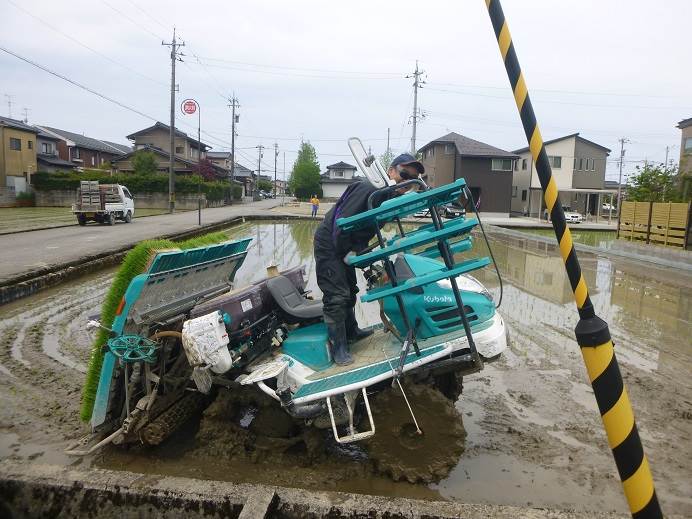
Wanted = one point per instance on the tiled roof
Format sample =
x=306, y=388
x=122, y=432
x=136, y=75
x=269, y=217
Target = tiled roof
x=571, y=135
x=685, y=123
x=82, y=141
x=19, y=125
x=470, y=148
x=341, y=165
x=166, y=128
x=54, y=160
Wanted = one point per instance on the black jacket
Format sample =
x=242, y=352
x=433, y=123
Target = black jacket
x=353, y=201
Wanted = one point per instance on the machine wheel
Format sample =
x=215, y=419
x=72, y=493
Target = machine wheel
x=128, y=217
x=81, y=219
x=399, y=451
x=111, y=219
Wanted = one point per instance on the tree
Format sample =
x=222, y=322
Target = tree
x=386, y=159
x=205, y=169
x=655, y=183
x=305, y=176
x=144, y=162
x=265, y=185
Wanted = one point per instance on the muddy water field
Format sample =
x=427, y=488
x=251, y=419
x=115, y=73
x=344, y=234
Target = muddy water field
x=525, y=431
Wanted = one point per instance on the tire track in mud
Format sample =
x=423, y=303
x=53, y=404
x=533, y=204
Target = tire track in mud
x=45, y=362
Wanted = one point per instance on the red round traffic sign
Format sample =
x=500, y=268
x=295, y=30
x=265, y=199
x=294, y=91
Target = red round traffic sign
x=189, y=106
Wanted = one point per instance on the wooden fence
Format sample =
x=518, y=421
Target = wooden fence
x=654, y=222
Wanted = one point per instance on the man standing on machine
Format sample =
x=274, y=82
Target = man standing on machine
x=336, y=279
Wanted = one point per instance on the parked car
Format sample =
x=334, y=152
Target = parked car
x=446, y=211
x=266, y=194
x=570, y=216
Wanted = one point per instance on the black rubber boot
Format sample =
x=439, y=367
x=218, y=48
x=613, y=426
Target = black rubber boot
x=339, y=346
x=353, y=333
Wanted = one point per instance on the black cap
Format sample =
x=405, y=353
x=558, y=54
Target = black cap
x=406, y=159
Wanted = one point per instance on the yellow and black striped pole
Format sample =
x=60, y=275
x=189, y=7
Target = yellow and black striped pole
x=592, y=332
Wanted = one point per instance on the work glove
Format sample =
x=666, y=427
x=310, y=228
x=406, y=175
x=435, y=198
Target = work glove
x=349, y=255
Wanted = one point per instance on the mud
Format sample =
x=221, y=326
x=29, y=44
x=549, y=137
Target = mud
x=533, y=432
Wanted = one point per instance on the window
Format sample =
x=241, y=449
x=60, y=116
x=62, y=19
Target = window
x=15, y=144
x=75, y=153
x=593, y=164
x=449, y=149
x=688, y=145
x=575, y=164
x=47, y=148
x=523, y=195
x=581, y=164
x=501, y=165
x=524, y=164
x=127, y=193
x=516, y=165
x=338, y=173
x=93, y=160
x=514, y=191
x=555, y=162
x=30, y=145
x=179, y=149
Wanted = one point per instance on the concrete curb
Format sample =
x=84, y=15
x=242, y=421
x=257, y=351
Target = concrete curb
x=630, y=255
x=5, y=233
x=50, y=491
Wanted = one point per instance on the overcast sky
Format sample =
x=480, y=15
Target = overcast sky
x=324, y=71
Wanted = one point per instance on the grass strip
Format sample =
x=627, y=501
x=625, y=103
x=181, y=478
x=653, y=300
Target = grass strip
x=135, y=262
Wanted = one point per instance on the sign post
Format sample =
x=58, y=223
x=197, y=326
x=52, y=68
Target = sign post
x=189, y=107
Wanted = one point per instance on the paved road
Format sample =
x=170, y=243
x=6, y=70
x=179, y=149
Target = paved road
x=32, y=250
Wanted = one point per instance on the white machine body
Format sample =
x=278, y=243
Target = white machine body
x=205, y=341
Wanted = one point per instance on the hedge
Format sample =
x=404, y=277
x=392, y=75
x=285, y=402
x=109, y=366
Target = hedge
x=157, y=183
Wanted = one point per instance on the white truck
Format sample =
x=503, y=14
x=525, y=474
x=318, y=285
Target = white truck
x=103, y=203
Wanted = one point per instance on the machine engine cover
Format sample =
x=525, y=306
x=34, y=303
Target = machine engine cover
x=205, y=341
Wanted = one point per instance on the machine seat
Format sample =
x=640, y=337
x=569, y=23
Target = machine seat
x=291, y=301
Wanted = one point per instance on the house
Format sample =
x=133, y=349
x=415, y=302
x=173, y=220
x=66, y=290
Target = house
x=578, y=167
x=486, y=169
x=182, y=166
x=246, y=177
x=83, y=151
x=156, y=139
x=686, y=156
x=223, y=159
x=17, y=155
x=158, y=136
x=337, y=178
x=47, y=154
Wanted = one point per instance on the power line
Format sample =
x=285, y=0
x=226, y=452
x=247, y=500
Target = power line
x=75, y=40
x=144, y=28
x=75, y=83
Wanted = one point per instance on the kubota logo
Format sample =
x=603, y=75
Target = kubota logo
x=438, y=299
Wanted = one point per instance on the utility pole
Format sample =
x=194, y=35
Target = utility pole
x=622, y=141
x=417, y=83
x=276, y=156
x=9, y=104
x=234, y=119
x=388, y=142
x=259, y=171
x=174, y=45
x=283, y=193
x=25, y=112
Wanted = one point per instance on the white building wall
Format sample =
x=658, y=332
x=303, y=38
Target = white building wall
x=333, y=190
